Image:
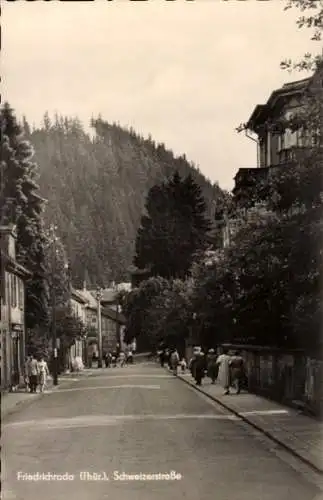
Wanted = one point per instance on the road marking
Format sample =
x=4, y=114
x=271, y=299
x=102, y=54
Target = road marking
x=263, y=412
x=125, y=386
x=130, y=376
x=103, y=420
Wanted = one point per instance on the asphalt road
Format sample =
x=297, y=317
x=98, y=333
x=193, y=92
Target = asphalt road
x=139, y=420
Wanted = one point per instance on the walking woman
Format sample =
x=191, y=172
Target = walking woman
x=223, y=363
x=43, y=373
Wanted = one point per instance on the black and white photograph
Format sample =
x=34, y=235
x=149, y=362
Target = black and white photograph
x=161, y=237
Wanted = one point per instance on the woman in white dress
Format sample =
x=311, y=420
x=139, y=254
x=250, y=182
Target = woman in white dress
x=43, y=374
x=223, y=361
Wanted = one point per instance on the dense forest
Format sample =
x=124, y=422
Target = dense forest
x=96, y=184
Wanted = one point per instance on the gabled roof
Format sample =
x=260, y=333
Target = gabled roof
x=114, y=315
x=78, y=296
x=90, y=300
x=262, y=111
x=13, y=266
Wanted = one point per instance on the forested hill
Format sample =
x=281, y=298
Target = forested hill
x=96, y=187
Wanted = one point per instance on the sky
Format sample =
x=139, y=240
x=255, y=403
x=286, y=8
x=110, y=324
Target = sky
x=187, y=73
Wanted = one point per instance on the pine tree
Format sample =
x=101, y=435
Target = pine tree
x=174, y=228
x=19, y=183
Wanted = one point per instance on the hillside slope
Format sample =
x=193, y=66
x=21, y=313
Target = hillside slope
x=96, y=188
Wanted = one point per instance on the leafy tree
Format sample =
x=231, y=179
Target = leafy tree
x=68, y=329
x=143, y=312
x=19, y=183
x=311, y=17
x=265, y=288
x=158, y=311
x=174, y=228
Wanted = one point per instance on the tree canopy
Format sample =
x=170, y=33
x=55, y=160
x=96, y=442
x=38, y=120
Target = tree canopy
x=174, y=228
x=19, y=186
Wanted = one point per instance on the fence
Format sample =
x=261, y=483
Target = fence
x=290, y=377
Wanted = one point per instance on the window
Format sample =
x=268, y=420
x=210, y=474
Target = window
x=13, y=290
x=21, y=294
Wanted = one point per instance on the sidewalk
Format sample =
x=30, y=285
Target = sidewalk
x=298, y=434
x=13, y=401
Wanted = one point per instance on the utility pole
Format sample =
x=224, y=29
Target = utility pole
x=99, y=298
x=54, y=338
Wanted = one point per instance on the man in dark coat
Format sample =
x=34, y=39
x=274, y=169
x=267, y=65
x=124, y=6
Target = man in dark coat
x=237, y=371
x=200, y=367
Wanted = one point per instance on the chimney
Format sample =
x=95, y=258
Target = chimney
x=84, y=286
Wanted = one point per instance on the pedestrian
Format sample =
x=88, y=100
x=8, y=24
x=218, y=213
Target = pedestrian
x=183, y=365
x=174, y=361
x=192, y=364
x=200, y=367
x=122, y=359
x=114, y=359
x=212, y=367
x=43, y=372
x=237, y=371
x=15, y=378
x=33, y=374
x=168, y=358
x=26, y=373
x=107, y=359
x=162, y=358
x=223, y=362
x=77, y=364
x=129, y=358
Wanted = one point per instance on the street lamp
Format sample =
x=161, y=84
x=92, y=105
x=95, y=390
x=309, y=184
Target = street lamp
x=99, y=297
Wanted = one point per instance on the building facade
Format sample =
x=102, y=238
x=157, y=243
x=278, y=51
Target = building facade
x=280, y=141
x=13, y=329
x=112, y=319
x=78, y=307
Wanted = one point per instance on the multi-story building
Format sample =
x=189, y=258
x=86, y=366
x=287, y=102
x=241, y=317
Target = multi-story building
x=278, y=142
x=78, y=307
x=12, y=320
x=112, y=319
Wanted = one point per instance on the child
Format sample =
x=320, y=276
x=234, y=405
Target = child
x=183, y=365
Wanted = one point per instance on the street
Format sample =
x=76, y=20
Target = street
x=139, y=420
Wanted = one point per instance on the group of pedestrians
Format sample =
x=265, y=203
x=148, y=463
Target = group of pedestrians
x=36, y=374
x=227, y=370
x=115, y=358
x=172, y=359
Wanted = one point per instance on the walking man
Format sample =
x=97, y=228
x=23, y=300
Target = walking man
x=174, y=361
x=237, y=371
x=33, y=374
x=200, y=367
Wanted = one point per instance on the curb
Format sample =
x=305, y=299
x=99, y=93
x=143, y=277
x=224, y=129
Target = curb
x=257, y=427
x=28, y=402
